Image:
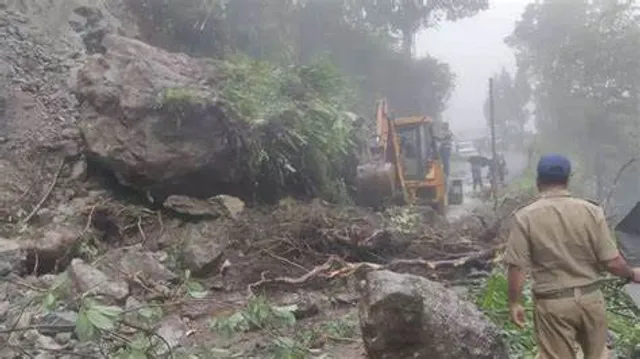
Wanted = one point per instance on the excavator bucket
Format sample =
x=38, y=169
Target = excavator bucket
x=628, y=235
x=375, y=183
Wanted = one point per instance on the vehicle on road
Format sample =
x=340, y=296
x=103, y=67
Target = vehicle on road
x=403, y=163
x=466, y=149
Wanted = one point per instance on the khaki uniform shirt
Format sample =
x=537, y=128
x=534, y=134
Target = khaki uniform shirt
x=562, y=240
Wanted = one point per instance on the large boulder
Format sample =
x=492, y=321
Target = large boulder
x=406, y=316
x=154, y=118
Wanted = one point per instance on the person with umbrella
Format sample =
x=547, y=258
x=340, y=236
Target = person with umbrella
x=477, y=162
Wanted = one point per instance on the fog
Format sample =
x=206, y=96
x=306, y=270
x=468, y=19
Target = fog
x=474, y=48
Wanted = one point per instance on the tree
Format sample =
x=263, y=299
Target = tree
x=582, y=60
x=404, y=18
x=510, y=114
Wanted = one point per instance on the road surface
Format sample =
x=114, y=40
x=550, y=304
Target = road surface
x=516, y=165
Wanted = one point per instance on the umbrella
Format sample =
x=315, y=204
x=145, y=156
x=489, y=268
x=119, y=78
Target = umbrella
x=628, y=234
x=480, y=160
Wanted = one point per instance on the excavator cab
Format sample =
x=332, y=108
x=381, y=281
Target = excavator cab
x=404, y=165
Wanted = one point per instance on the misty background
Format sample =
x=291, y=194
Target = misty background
x=475, y=49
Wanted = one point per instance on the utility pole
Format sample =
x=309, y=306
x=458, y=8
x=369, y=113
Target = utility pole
x=494, y=157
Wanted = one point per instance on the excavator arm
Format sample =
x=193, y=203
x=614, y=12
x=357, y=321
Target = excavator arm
x=382, y=175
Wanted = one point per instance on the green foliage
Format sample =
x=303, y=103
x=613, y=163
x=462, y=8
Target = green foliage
x=358, y=37
x=623, y=316
x=492, y=299
x=304, y=136
x=191, y=287
x=581, y=59
x=258, y=314
x=94, y=318
x=51, y=298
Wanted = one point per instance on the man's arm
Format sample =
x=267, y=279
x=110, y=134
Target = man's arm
x=516, y=278
x=607, y=253
x=517, y=257
x=619, y=267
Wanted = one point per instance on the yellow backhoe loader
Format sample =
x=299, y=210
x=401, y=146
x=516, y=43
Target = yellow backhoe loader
x=403, y=163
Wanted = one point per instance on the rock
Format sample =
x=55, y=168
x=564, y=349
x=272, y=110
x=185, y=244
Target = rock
x=63, y=338
x=12, y=257
x=232, y=206
x=135, y=261
x=214, y=207
x=57, y=319
x=52, y=245
x=79, y=170
x=130, y=124
x=204, y=248
x=173, y=330
x=85, y=278
x=406, y=316
x=41, y=341
x=4, y=309
x=191, y=206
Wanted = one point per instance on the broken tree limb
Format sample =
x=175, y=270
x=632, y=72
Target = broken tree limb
x=317, y=271
x=347, y=269
x=44, y=198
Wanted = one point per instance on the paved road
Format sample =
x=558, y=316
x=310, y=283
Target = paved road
x=516, y=164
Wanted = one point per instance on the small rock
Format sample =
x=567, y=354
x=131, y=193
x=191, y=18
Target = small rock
x=12, y=257
x=88, y=279
x=63, y=338
x=173, y=330
x=57, y=319
x=4, y=309
x=41, y=341
x=79, y=170
x=232, y=206
x=136, y=261
x=191, y=207
x=203, y=251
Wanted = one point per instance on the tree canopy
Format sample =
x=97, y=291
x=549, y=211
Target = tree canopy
x=582, y=61
x=363, y=39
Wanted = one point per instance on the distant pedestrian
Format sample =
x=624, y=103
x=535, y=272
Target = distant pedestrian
x=446, y=144
x=476, y=175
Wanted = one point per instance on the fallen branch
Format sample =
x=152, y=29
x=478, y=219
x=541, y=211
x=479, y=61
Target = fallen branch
x=299, y=280
x=348, y=269
x=44, y=198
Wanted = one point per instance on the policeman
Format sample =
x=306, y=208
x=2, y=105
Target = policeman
x=563, y=242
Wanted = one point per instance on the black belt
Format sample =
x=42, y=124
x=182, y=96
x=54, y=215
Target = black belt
x=567, y=292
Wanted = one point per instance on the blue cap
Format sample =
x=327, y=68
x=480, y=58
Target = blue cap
x=554, y=167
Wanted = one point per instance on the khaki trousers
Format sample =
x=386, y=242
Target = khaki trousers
x=566, y=325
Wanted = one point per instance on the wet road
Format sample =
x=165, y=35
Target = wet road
x=516, y=165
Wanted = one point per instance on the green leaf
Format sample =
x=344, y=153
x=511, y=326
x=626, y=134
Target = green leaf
x=108, y=311
x=84, y=330
x=99, y=320
x=50, y=301
x=195, y=290
x=146, y=312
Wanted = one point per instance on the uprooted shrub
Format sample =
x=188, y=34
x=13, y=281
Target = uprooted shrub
x=303, y=137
